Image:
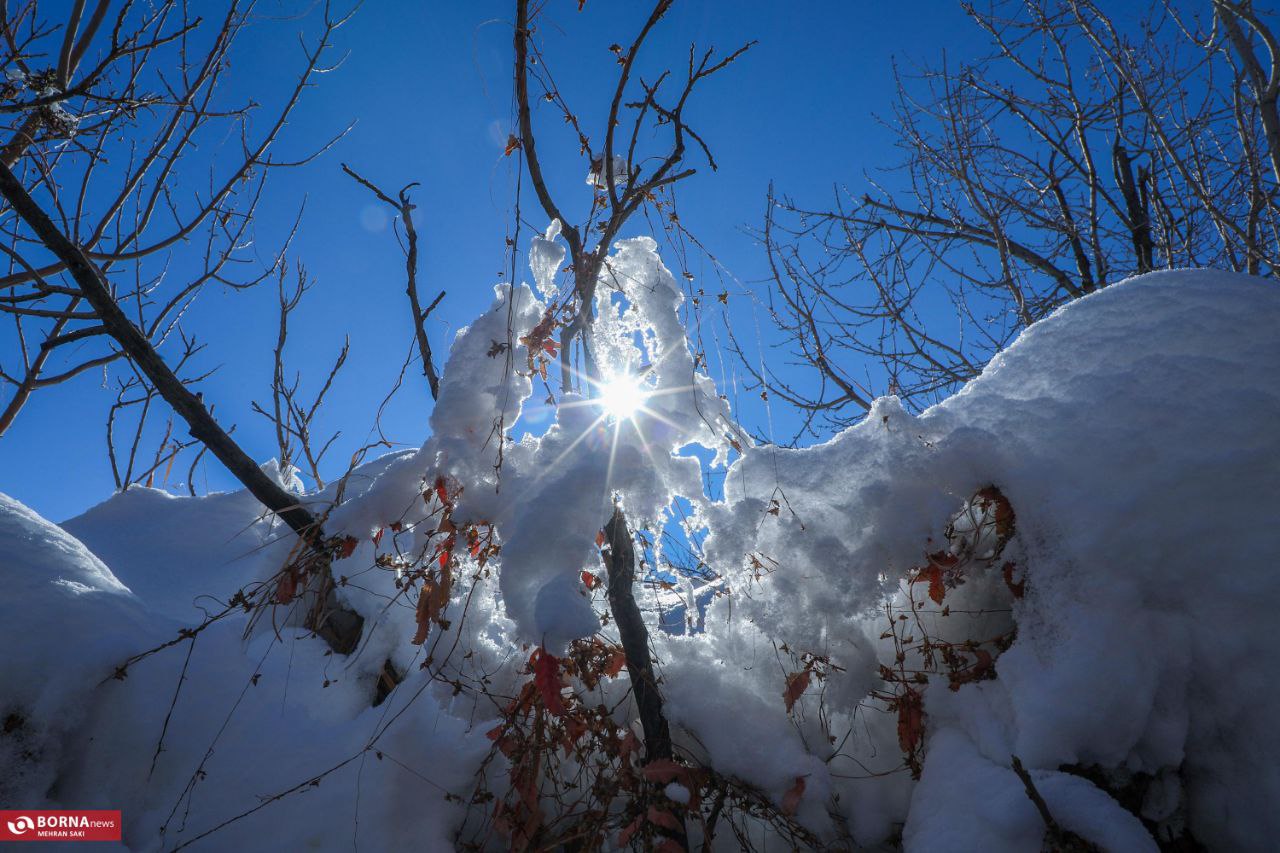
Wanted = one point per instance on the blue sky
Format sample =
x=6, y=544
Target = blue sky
x=429, y=88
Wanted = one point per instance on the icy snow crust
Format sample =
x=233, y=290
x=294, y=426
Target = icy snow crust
x=1134, y=433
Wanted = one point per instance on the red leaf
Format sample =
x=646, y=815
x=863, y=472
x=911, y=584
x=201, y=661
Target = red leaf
x=797, y=684
x=512, y=144
x=932, y=574
x=495, y=732
x=791, y=799
x=624, y=837
x=377, y=537
x=574, y=729
x=910, y=721
x=662, y=770
x=666, y=820
x=396, y=526
x=600, y=539
x=286, y=588
x=441, y=492
x=546, y=675
x=590, y=580
x=1018, y=589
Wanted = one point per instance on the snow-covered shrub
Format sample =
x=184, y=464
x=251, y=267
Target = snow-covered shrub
x=1072, y=556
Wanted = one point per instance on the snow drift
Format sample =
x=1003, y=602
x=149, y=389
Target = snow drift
x=1133, y=432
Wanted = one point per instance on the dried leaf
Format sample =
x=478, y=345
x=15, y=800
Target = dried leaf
x=347, y=547
x=513, y=143
x=910, y=721
x=546, y=675
x=616, y=663
x=933, y=575
x=1018, y=589
x=663, y=770
x=286, y=588
x=797, y=684
x=624, y=837
x=664, y=819
x=791, y=799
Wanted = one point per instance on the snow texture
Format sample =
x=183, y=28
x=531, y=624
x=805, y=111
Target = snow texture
x=1133, y=432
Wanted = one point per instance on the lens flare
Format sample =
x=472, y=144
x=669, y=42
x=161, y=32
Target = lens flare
x=621, y=397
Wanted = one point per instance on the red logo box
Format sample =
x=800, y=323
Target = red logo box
x=76, y=825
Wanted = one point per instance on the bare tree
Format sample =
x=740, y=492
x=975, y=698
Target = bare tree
x=99, y=137
x=1081, y=151
x=404, y=208
x=101, y=111
x=292, y=415
x=624, y=176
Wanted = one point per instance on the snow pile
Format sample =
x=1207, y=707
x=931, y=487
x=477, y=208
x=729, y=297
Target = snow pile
x=65, y=622
x=1132, y=432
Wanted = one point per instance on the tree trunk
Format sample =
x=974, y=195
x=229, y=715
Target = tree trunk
x=635, y=643
x=340, y=631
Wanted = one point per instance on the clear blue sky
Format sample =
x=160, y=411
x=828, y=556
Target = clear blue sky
x=429, y=86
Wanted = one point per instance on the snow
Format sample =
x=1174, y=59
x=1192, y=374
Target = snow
x=1133, y=433
x=65, y=621
x=546, y=256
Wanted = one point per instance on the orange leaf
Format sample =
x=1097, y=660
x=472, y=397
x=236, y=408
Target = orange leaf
x=791, y=799
x=512, y=144
x=600, y=539
x=424, y=619
x=616, y=663
x=797, y=684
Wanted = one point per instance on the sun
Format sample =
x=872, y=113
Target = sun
x=621, y=397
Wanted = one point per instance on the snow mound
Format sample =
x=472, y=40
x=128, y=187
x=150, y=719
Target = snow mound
x=65, y=620
x=1134, y=433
